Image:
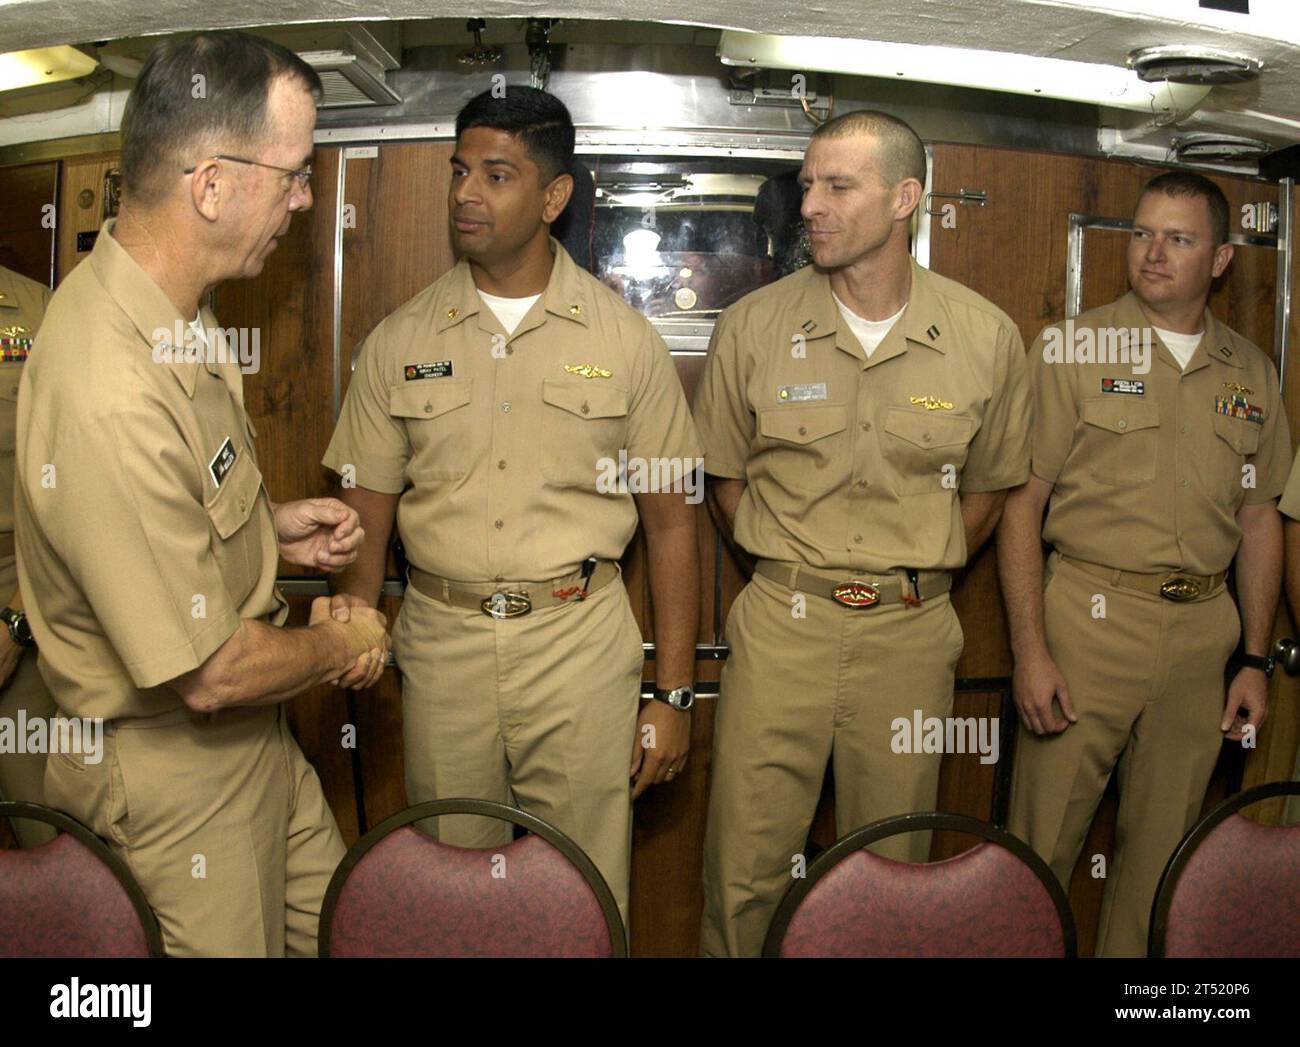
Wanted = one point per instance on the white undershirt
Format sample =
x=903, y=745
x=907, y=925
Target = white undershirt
x=869, y=332
x=508, y=310
x=1181, y=345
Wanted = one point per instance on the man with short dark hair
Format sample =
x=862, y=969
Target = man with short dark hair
x=148, y=543
x=487, y=414
x=861, y=420
x=1160, y=447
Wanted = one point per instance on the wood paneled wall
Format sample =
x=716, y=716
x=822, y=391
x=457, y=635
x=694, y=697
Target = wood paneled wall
x=28, y=217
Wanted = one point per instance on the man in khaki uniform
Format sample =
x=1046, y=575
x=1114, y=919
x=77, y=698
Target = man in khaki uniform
x=22, y=305
x=491, y=414
x=861, y=419
x=147, y=543
x=1160, y=446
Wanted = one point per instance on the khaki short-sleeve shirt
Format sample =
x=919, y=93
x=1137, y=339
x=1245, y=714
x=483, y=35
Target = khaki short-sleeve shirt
x=1150, y=462
x=144, y=532
x=853, y=462
x=508, y=450
x=22, y=306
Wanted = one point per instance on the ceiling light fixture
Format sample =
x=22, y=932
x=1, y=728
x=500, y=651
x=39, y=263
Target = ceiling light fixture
x=43, y=65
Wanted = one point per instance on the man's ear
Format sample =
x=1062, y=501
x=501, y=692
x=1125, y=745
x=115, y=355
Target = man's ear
x=557, y=197
x=907, y=195
x=208, y=189
x=1222, y=256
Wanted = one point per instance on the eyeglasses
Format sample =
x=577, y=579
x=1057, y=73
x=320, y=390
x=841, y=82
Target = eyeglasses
x=303, y=174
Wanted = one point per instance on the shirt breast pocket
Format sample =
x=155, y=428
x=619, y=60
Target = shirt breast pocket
x=237, y=545
x=926, y=451
x=803, y=446
x=436, y=415
x=582, y=423
x=1120, y=439
x=1237, y=440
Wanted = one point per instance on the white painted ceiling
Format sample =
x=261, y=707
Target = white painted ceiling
x=1103, y=31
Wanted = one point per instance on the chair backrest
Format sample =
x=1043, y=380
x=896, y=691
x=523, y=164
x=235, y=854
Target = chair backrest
x=996, y=899
x=71, y=897
x=399, y=892
x=1232, y=887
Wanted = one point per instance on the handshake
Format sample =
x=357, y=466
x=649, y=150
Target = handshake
x=363, y=640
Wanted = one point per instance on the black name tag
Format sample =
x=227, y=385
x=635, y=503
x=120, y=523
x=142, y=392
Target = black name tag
x=222, y=462
x=441, y=369
x=1123, y=385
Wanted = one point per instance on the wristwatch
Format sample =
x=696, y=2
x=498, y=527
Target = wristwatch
x=680, y=698
x=19, y=631
x=1263, y=662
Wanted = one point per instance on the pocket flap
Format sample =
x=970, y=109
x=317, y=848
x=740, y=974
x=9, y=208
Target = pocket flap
x=429, y=397
x=586, y=399
x=236, y=498
x=800, y=424
x=928, y=428
x=1242, y=436
x=1121, y=415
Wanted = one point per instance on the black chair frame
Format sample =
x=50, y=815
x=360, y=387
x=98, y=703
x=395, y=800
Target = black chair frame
x=1177, y=863
x=920, y=822
x=11, y=809
x=488, y=809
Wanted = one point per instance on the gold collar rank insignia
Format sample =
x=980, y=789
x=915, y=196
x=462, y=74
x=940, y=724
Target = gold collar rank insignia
x=930, y=403
x=13, y=330
x=588, y=370
x=1233, y=387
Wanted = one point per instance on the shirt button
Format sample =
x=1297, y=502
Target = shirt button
x=858, y=538
x=866, y=427
x=925, y=437
x=803, y=430
x=1183, y=429
x=501, y=464
x=1182, y=483
x=506, y=407
x=861, y=484
x=585, y=408
x=510, y=350
x=1121, y=424
x=499, y=524
x=243, y=504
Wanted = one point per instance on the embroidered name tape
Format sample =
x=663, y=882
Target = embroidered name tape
x=797, y=393
x=222, y=462
x=1123, y=385
x=441, y=369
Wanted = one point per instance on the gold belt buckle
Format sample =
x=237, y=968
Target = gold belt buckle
x=506, y=605
x=1180, y=590
x=856, y=594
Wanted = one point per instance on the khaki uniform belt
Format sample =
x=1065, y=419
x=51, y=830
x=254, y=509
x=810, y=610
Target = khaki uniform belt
x=856, y=591
x=511, y=599
x=1172, y=585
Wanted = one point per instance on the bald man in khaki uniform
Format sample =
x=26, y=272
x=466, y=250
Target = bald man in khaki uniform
x=860, y=480
x=1156, y=467
x=148, y=545
x=492, y=420
x=22, y=306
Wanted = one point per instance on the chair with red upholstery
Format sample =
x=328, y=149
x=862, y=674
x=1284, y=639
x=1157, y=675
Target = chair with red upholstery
x=996, y=899
x=1232, y=887
x=71, y=897
x=399, y=892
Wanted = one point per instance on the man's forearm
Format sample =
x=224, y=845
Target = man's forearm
x=674, y=570
x=1259, y=576
x=261, y=664
x=1020, y=570
x=980, y=513
x=364, y=577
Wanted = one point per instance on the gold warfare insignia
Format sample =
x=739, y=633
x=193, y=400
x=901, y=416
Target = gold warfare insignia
x=930, y=403
x=1233, y=387
x=588, y=370
x=13, y=330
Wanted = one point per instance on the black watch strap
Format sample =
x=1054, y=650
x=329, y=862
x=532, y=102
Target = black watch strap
x=1263, y=662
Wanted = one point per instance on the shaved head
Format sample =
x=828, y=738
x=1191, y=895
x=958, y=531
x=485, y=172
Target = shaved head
x=900, y=153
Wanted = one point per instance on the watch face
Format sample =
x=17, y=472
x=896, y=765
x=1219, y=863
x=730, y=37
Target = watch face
x=685, y=698
x=21, y=630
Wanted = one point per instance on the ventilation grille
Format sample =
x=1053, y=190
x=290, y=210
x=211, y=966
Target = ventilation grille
x=1204, y=66
x=349, y=80
x=1224, y=148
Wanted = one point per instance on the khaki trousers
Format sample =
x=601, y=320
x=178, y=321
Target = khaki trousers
x=795, y=693
x=1146, y=682
x=22, y=775
x=539, y=711
x=221, y=820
